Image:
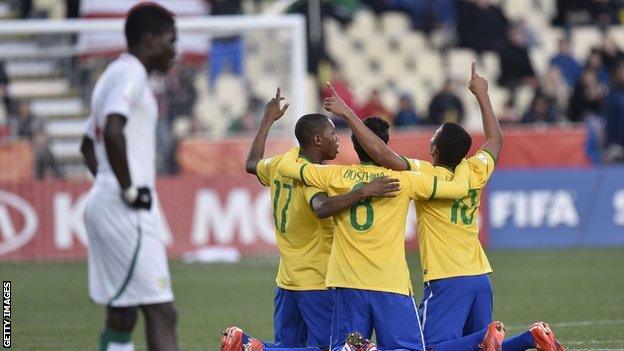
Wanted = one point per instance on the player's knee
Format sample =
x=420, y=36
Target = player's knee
x=165, y=313
x=121, y=319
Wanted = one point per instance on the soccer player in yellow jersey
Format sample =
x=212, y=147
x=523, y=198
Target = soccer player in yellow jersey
x=367, y=266
x=456, y=311
x=303, y=304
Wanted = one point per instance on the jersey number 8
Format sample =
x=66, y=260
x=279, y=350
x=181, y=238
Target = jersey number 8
x=370, y=212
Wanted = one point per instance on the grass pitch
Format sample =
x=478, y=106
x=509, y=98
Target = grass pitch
x=580, y=292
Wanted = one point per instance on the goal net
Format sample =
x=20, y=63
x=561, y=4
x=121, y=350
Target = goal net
x=228, y=68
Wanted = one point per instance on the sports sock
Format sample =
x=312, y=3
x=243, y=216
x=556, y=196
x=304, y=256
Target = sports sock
x=519, y=342
x=291, y=349
x=465, y=343
x=111, y=340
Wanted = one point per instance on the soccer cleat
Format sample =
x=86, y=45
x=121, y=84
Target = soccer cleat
x=356, y=342
x=544, y=338
x=254, y=345
x=493, y=339
x=232, y=339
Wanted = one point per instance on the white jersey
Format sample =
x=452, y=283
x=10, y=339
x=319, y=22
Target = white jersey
x=124, y=89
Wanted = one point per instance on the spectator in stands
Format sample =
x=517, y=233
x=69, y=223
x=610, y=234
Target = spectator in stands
x=446, y=106
x=481, y=25
x=375, y=107
x=508, y=114
x=45, y=162
x=614, y=112
x=26, y=124
x=566, y=63
x=225, y=52
x=542, y=110
x=587, y=98
x=516, y=67
x=247, y=123
x=406, y=116
x=556, y=88
x=611, y=53
x=594, y=61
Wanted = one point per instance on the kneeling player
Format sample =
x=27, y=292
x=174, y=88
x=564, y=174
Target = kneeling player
x=303, y=304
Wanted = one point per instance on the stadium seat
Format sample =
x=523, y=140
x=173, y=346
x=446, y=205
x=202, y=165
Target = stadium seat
x=73, y=128
x=583, y=39
x=458, y=62
x=617, y=33
x=516, y=10
x=38, y=88
x=65, y=150
x=523, y=98
x=540, y=60
x=27, y=69
x=490, y=65
x=64, y=107
x=395, y=23
x=413, y=43
x=549, y=38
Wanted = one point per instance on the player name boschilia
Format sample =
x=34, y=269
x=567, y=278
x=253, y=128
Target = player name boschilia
x=361, y=176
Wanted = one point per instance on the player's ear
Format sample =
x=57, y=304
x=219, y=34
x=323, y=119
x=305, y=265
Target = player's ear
x=317, y=140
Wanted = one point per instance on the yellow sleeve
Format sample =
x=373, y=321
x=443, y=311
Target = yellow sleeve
x=482, y=166
x=311, y=192
x=318, y=176
x=289, y=167
x=422, y=185
x=419, y=165
x=265, y=167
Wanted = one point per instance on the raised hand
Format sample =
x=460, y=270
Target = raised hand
x=335, y=104
x=273, y=111
x=381, y=187
x=477, y=85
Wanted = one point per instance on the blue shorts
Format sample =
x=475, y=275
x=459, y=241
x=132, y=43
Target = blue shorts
x=393, y=317
x=302, y=318
x=455, y=307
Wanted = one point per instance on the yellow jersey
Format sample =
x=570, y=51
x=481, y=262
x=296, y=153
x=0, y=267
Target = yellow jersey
x=304, y=241
x=369, y=242
x=448, y=230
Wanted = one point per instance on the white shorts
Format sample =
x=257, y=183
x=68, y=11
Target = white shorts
x=127, y=258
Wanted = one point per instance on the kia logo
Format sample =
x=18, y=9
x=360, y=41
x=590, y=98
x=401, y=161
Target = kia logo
x=12, y=238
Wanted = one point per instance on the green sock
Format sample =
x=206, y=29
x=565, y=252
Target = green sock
x=109, y=336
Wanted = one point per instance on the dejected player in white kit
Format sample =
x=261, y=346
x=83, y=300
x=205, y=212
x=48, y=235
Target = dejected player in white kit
x=128, y=269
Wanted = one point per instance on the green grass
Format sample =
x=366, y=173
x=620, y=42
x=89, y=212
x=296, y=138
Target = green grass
x=581, y=292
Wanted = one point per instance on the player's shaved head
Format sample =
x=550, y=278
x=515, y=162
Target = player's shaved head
x=146, y=18
x=452, y=143
x=380, y=128
x=310, y=125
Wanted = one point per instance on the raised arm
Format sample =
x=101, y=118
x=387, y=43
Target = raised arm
x=493, y=134
x=372, y=144
x=326, y=206
x=456, y=188
x=272, y=112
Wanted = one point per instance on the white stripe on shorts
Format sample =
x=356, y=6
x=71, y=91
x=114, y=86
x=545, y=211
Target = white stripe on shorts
x=420, y=329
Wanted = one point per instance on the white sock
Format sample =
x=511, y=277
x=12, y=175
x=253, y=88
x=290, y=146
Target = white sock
x=113, y=346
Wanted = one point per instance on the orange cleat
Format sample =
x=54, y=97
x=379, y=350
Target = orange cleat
x=254, y=345
x=544, y=338
x=232, y=339
x=356, y=342
x=493, y=339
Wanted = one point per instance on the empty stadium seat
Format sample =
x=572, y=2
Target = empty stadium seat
x=583, y=40
x=395, y=23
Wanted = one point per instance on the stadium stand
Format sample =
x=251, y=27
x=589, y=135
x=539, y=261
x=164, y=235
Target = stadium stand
x=398, y=57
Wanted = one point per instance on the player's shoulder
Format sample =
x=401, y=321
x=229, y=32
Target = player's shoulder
x=419, y=165
x=482, y=158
